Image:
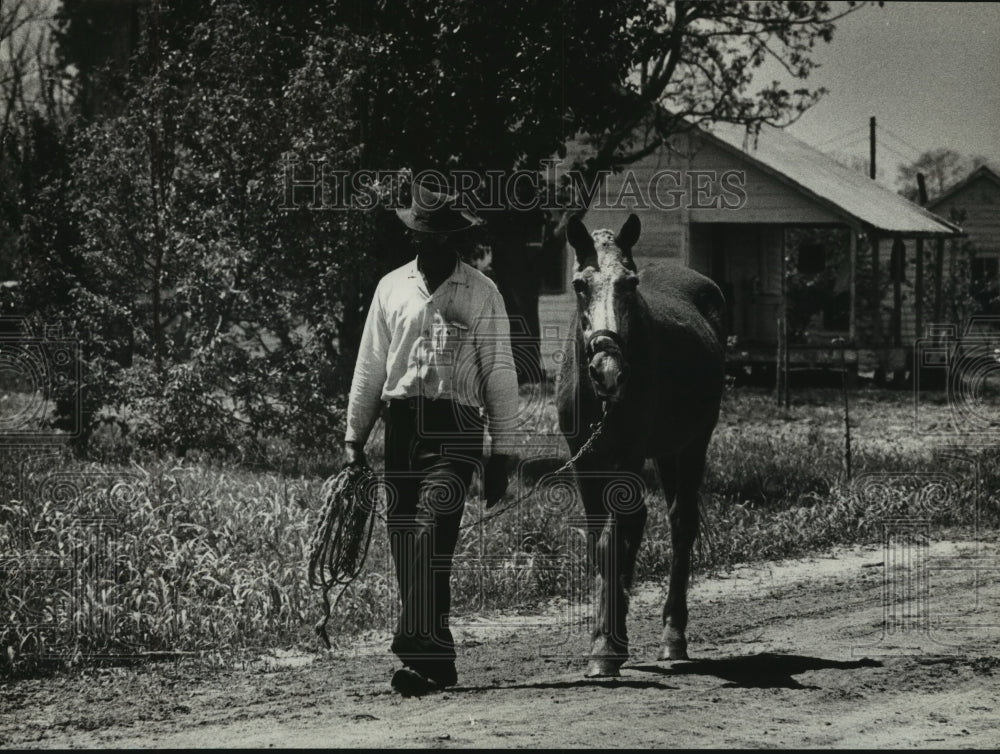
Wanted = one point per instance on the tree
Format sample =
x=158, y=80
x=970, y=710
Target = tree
x=692, y=63
x=942, y=168
x=174, y=187
x=211, y=315
x=458, y=85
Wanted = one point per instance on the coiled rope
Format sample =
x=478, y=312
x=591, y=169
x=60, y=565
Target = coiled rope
x=343, y=534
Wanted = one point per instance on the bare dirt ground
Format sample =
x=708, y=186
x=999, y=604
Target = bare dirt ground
x=865, y=647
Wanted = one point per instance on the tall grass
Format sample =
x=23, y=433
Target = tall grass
x=104, y=560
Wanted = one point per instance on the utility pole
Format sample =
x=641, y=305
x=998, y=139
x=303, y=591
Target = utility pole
x=871, y=148
x=873, y=241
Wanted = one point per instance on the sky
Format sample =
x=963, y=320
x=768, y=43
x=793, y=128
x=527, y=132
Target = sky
x=928, y=72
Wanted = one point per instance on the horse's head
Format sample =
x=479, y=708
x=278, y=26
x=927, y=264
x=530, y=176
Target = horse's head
x=605, y=282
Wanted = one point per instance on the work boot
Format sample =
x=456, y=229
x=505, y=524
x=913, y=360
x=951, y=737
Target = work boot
x=421, y=678
x=409, y=682
x=442, y=673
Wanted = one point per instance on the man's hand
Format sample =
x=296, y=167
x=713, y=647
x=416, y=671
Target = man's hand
x=495, y=478
x=354, y=454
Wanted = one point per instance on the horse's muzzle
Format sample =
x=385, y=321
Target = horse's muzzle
x=607, y=367
x=608, y=373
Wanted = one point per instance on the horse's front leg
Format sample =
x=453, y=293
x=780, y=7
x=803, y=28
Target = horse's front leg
x=616, y=518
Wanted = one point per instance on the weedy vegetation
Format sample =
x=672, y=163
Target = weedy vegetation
x=112, y=561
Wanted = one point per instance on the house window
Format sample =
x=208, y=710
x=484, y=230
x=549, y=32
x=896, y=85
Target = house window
x=811, y=259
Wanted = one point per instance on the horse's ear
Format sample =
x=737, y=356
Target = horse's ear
x=581, y=242
x=629, y=234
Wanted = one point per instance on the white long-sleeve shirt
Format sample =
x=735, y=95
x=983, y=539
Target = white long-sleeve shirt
x=453, y=343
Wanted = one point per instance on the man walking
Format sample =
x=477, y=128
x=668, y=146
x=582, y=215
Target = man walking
x=435, y=348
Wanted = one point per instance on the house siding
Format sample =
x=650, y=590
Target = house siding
x=980, y=203
x=666, y=233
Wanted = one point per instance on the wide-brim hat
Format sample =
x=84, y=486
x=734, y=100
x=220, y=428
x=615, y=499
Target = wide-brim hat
x=433, y=211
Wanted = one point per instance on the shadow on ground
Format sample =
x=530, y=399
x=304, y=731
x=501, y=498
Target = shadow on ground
x=583, y=683
x=760, y=671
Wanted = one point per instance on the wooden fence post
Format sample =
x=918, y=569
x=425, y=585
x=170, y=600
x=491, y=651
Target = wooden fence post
x=918, y=285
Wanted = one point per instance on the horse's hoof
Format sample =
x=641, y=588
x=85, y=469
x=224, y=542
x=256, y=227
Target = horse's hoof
x=602, y=667
x=674, y=650
x=675, y=646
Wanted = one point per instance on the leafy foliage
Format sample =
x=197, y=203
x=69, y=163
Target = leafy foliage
x=217, y=314
x=212, y=314
x=942, y=169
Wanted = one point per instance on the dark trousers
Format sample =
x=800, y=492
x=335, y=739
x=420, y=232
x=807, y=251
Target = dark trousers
x=431, y=449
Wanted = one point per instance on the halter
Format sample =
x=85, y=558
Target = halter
x=617, y=344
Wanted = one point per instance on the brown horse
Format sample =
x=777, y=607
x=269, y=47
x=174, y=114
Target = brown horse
x=653, y=354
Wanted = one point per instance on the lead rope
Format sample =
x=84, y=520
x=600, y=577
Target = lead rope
x=596, y=428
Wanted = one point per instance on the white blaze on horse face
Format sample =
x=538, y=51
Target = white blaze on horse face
x=602, y=301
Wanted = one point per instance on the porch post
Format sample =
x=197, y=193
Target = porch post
x=938, y=279
x=853, y=277
x=783, y=358
x=898, y=261
x=876, y=289
x=918, y=292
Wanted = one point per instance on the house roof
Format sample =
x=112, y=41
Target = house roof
x=982, y=171
x=825, y=180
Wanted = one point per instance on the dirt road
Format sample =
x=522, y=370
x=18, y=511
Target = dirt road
x=805, y=653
